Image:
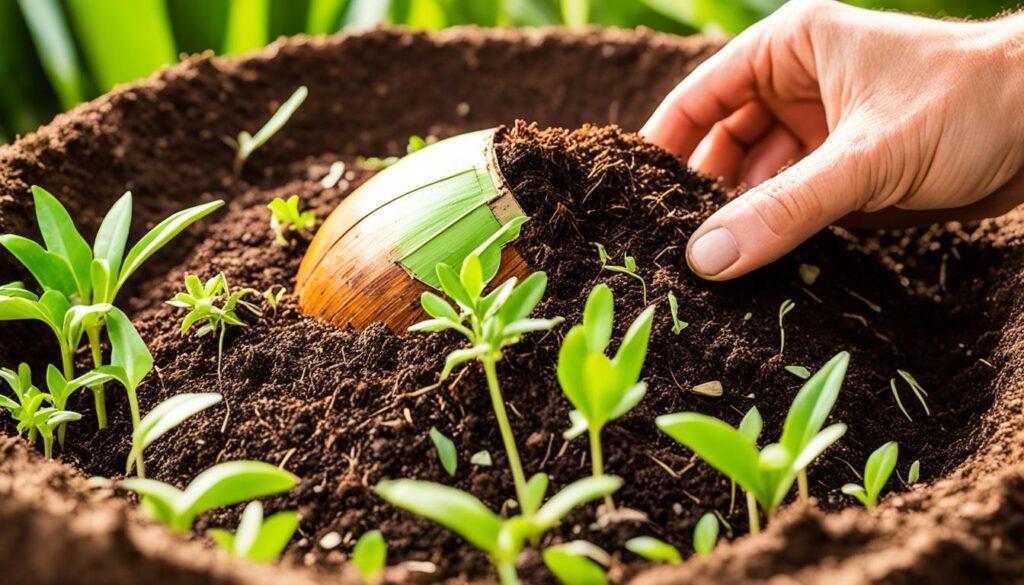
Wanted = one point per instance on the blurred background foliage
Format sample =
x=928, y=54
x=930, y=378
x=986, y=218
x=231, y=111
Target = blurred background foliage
x=57, y=53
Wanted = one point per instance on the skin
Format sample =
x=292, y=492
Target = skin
x=875, y=120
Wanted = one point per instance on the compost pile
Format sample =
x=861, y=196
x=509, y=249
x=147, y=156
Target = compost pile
x=344, y=409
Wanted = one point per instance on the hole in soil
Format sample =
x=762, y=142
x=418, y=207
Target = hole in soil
x=342, y=411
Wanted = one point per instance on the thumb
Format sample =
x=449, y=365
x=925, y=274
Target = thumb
x=771, y=219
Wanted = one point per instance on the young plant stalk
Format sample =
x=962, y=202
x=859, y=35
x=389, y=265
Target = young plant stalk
x=491, y=323
x=602, y=389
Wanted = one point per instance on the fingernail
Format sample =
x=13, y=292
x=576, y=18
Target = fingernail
x=714, y=252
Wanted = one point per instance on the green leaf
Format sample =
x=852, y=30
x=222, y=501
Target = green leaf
x=533, y=494
x=629, y=360
x=573, y=569
x=456, y=510
x=112, y=236
x=630, y=398
x=436, y=307
x=166, y=416
x=524, y=298
x=17, y=309
x=461, y=356
x=101, y=280
x=62, y=237
x=248, y=528
x=723, y=447
x=572, y=357
x=160, y=499
x=653, y=549
x=481, y=458
x=274, y=535
x=472, y=277
x=276, y=122
x=370, y=555
x=56, y=48
x=491, y=247
x=446, y=451
x=50, y=270
x=817, y=445
x=579, y=425
x=705, y=534
x=598, y=318
x=575, y=494
x=751, y=424
x=145, y=44
x=223, y=538
x=128, y=350
x=160, y=235
x=229, y=483
x=799, y=371
x=452, y=286
x=522, y=326
x=492, y=302
x=915, y=472
x=879, y=468
x=813, y=403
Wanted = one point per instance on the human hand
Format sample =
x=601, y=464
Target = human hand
x=906, y=118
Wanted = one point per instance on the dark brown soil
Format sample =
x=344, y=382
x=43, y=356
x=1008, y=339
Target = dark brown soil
x=336, y=407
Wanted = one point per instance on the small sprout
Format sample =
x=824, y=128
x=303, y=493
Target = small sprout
x=713, y=389
x=916, y=388
x=602, y=389
x=202, y=301
x=370, y=556
x=628, y=267
x=577, y=563
x=445, y=451
x=748, y=316
x=257, y=539
x=705, y=534
x=47, y=420
x=673, y=307
x=784, y=309
x=81, y=282
x=501, y=539
x=899, y=402
x=481, y=458
x=489, y=322
x=799, y=371
x=247, y=143
x=767, y=475
x=286, y=217
x=222, y=485
x=415, y=143
x=809, y=273
x=879, y=467
x=272, y=298
x=915, y=472
x=163, y=418
x=654, y=550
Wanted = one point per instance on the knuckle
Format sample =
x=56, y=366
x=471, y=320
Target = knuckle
x=784, y=204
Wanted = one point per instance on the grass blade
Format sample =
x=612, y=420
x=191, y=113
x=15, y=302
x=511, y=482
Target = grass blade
x=56, y=46
x=248, y=26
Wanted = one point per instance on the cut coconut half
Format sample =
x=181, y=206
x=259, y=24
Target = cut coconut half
x=379, y=249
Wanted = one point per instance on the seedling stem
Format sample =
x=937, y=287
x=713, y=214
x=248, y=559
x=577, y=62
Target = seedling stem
x=518, y=477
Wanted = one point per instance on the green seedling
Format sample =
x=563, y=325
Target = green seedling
x=202, y=301
x=877, y=471
x=222, y=485
x=750, y=427
x=370, y=556
x=376, y=163
x=246, y=143
x=79, y=282
x=705, y=534
x=60, y=389
x=273, y=299
x=286, y=217
x=673, y=307
x=489, y=322
x=602, y=389
x=47, y=420
x=468, y=517
x=784, y=309
x=628, y=267
x=915, y=472
x=577, y=563
x=257, y=539
x=768, y=474
x=446, y=451
x=654, y=550
x=28, y=400
x=915, y=387
x=163, y=418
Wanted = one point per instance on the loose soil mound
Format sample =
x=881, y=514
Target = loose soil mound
x=345, y=409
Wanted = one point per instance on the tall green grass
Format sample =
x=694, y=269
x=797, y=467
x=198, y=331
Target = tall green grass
x=56, y=53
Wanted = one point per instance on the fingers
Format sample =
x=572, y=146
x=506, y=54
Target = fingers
x=778, y=149
x=715, y=89
x=773, y=218
x=723, y=152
